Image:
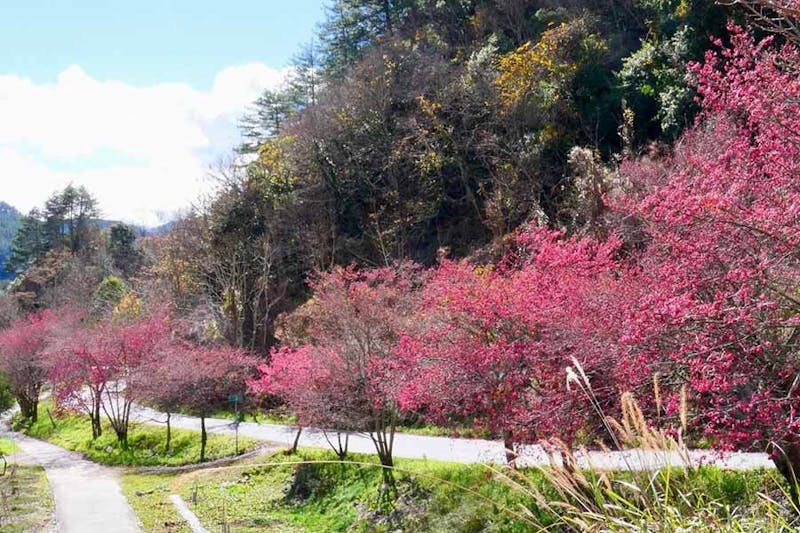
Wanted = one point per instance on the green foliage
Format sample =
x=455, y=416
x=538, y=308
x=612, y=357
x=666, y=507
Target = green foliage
x=265, y=118
x=145, y=442
x=9, y=222
x=71, y=219
x=6, y=397
x=654, y=79
x=305, y=80
x=29, y=243
x=121, y=247
x=655, y=76
x=109, y=293
x=352, y=25
x=7, y=446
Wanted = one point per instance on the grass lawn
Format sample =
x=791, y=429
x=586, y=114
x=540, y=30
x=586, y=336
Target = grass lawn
x=7, y=447
x=145, y=441
x=298, y=493
x=148, y=494
x=283, y=418
x=310, y=492
x=26, y=504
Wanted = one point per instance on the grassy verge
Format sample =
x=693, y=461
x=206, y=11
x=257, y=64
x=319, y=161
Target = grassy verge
x=145, y=442
x=311, y=492
x=149, y=497
x=284, y=418
x=305, y=492
x=7, y=447
x=25, y=500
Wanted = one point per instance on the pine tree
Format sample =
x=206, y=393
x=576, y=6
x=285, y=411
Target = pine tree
x=29, y=244
x=265, y=117
x=304, y=83
x=70, y=218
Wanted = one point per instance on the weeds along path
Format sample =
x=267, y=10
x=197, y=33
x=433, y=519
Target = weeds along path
x=88, y=497
x=459, y=450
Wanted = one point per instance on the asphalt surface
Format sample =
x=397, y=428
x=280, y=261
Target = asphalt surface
x=88, y=498
x=466, y=450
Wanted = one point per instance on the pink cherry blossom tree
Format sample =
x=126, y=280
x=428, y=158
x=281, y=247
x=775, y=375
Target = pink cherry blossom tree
x=719, y=260
x=337, y=379
x=96, y=369
x=198, y=379
x=22, y=348
x=497, y=339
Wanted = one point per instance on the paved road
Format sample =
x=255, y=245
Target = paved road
x=88, y=497
x=464, y=450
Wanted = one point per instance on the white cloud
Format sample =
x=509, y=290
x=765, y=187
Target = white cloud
x=142, y=151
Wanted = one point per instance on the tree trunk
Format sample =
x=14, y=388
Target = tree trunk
x=340, y=448
x=203, y=438
x=508, y=444
x=122, y=436
x=293, y=448
x=28, y=407
x=341, y=452
x=97, y=426
x=119, y=422
x=383, y=438
x=786, y=457
x=169, y=433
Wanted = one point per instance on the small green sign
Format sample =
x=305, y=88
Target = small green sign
x=235, y=398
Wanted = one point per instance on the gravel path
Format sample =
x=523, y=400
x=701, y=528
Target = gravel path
x=88, y=497
x=464, y=450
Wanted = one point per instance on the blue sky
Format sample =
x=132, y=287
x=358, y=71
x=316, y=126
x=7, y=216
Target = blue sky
x=109, y=93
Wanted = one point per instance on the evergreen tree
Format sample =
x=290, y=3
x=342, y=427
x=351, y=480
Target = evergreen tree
x=304, y=82
x=9, y=223
x=121, y=247
x=70, y=218
x=29, y=244
x=264, y=118
x=352, y=25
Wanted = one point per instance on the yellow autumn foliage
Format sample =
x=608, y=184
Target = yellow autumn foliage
x=541, y=68
x=272, y=168
x=180, y=273
x=129, y=306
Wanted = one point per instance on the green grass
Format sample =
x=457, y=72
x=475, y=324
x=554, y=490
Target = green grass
x=301, y=493
x=149, y=498
x=25, y=500
x=438, y=431
x=311, y=492
x=7, y=446
x=145, y=441
x=283, y=418
x=260, y=416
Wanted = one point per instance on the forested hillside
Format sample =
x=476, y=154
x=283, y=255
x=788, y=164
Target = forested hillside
x=420, y=130
x=9, y=221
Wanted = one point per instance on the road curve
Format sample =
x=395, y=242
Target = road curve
x=465, y=450
x=88, y=497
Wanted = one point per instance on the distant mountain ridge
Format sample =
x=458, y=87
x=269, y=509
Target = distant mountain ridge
x=140, y=230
